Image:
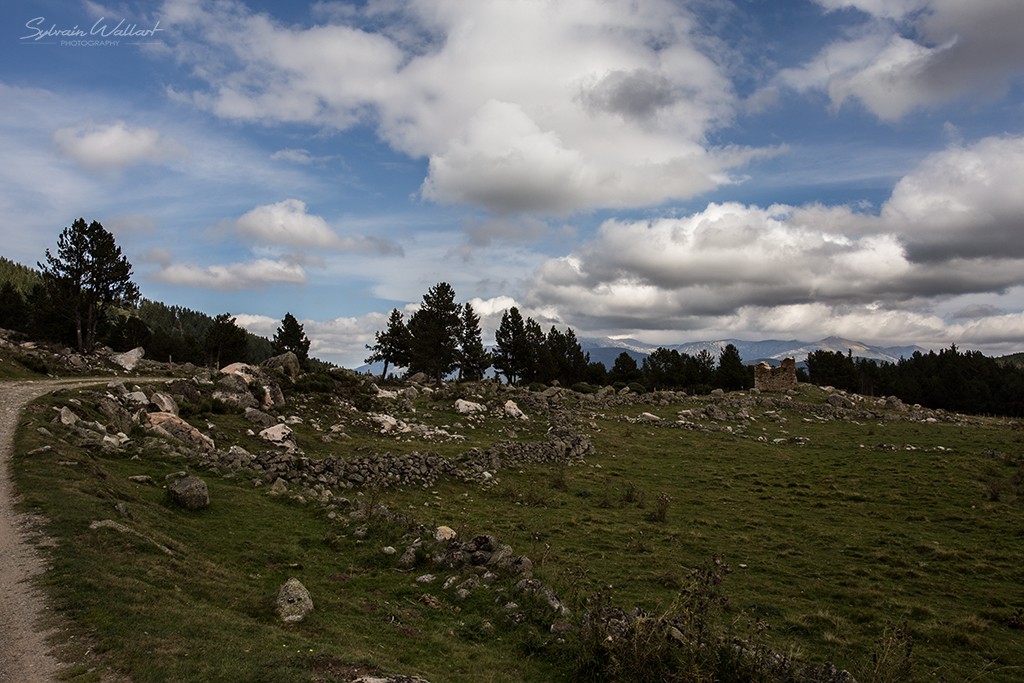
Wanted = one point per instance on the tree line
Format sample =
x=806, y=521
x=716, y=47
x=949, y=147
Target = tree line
x=83, y=296
x=442, y=338
x=955, y=380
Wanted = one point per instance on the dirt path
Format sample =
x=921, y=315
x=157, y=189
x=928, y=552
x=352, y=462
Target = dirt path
x=24, y=653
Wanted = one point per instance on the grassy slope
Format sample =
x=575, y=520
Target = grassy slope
x=835, y=539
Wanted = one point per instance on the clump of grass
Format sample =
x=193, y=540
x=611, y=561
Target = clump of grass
x=633, y=495
x=892, y=661
x=660, y=511
x=559, y=479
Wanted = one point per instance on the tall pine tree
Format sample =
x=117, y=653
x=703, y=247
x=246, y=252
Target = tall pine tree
x=473, y=357
x=89, y=274
x=393, y=345
x=434, y=330
x=291, y=337
x=512, y=355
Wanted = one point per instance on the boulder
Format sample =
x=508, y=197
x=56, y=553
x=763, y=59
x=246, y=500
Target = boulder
x=258, y=417
x=464, y=407
x=244, y=370
x=233, y=388
x=444, y=533
x=287, y=364
x=129, y=359
x=117, y=416
x=164, y=403
x=67, y=417
x=190, y=493
x=293, y=601
x=280, y=435
x=173, y=427
x=839, y=401
x=513, y=411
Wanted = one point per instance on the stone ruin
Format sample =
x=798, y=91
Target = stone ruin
x=782, y=378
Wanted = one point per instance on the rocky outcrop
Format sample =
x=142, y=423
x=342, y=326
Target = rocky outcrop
x=286, y=364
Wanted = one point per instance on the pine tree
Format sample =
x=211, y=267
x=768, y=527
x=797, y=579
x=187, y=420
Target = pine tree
x=434, y=330
x=540, y=366
x=624, y=369
x=89, y=274
x=732, y=374
x=14, y=310
x=473, y=357
x=291, y=337
x=225, y=341
x=511, y=357
x=393, y=344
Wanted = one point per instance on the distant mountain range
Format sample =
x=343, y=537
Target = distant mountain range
x=606, y=350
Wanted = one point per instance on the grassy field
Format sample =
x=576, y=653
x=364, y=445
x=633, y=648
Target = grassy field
x=832, y=530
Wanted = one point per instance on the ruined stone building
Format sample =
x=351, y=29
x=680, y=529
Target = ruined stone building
x=782, y=378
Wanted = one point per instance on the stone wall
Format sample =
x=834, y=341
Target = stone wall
x=782, y=378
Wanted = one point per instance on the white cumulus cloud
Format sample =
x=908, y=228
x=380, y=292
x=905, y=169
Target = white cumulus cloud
x=289, y=223
x=115, y=145
x=518, y=106
x=233, y=276
x=912, y=54
x=949, y=230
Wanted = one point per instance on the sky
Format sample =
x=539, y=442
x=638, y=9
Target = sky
x=665, y=170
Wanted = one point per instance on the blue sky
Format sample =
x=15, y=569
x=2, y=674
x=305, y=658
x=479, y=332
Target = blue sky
x=666, y=170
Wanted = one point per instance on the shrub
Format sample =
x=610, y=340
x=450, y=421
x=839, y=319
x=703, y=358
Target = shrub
x=660, y=511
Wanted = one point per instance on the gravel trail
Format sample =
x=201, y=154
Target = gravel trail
x=24, y=653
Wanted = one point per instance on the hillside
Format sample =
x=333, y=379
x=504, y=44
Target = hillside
x=481, y=530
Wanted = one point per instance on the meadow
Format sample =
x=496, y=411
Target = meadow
x=888, y=544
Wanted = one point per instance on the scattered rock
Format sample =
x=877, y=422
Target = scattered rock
x=164, y=403
x=129, y=359
x=444, y=533
x=190, y=492
x=173, y=427
x=293, y=601
x=464, y=407
x=260, y=418
x=513, y=411
x=280, y=435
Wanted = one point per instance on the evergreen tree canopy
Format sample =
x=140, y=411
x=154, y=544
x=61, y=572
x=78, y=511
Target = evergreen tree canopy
x=393, y=345
x=513, y=354
x=473, y=357
x=291, y=337
x=624, y=369
x=435, y=330
x=225, y=341
x=732, y=374
x=89, y=274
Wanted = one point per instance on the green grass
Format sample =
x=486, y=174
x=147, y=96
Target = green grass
x=828, y=543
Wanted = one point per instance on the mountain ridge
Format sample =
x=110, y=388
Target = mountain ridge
x=750, y=351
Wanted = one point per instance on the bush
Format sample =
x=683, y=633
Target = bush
x=33, y=363
x=584, y=388
x=637, y=388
